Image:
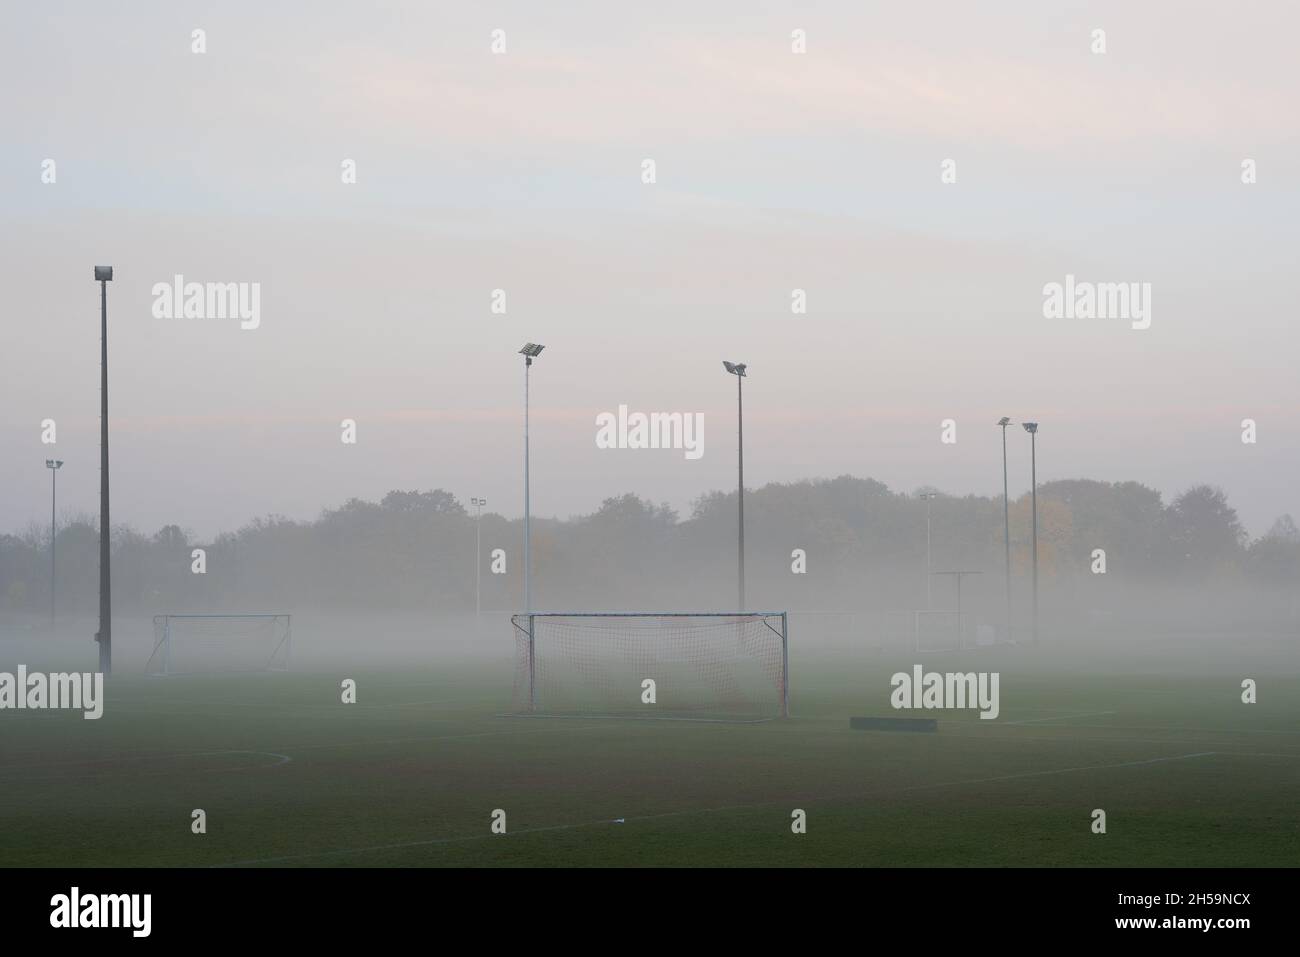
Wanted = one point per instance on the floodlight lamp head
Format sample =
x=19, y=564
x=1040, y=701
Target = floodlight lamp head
x=103, y=273
x=1004, y=422
x=531, y=350
x=53, y=463
x=735, y=368
x=1030, y=427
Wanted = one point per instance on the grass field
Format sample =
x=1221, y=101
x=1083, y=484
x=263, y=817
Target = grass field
x=409, y=775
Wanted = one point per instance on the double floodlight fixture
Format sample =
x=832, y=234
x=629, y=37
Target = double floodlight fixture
x=735, y=368
x=1030, y=427
x=54, y=463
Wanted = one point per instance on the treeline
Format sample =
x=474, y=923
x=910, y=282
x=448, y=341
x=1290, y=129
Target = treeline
x=843, y=543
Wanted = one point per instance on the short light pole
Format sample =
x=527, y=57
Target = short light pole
x=530, y=351
x=929, y=497
x=738, y=370
x=104, y=275
x=1032, y=429
x=53, y=465
x=478, y=504
x=1006, y=520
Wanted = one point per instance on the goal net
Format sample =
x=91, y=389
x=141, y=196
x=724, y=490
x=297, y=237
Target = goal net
x=198, y=644
x=937, y=631
x=721, y=667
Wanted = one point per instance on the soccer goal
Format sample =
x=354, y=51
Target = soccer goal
x=705, y=667
x=936, y=631
x=199, y=644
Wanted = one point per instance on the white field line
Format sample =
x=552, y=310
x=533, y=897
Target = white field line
x=308, y=711
x=436, y=737
x=406, y=844
x=1257, y=754
x=1142, y=691
x=1057, y=741
x=1090, y=767
x=710, y=810
x=283, y=760
x=173, y=755
x=1062, y=717
x=1117, y=727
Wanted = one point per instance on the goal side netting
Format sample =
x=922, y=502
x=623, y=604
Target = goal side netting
x=938, y=631
x=721, y=667
x=204, y=644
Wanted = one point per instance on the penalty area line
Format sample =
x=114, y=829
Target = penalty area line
x=433, y=842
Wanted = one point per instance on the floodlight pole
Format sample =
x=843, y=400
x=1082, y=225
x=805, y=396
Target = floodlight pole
x=1033, y=473
x=528, y=520
x=105, y=634
x=478, y=504
x=1006, y=521
x=530, y=351
x=740, y=489
x=1032, y=429
x=53, y=465
x=738, y=370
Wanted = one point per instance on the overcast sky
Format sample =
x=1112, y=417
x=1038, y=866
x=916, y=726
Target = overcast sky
x=522, y=171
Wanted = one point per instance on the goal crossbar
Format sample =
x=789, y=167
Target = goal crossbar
x=192, y=644
x=704, y=666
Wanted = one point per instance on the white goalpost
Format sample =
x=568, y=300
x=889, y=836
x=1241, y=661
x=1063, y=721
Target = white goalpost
x=676, y=665
x=207, y=644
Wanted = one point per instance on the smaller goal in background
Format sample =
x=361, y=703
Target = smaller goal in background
x=220, y=644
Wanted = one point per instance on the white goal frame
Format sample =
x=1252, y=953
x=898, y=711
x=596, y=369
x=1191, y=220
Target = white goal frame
x=162, y=626
x=525, y=624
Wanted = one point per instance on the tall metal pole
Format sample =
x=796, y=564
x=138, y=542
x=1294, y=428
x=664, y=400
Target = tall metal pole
x=528, y=526
x=478, y=560
x=929, y=575
x=105, y=635
x=1006, y=523
x=929, y=568
x=740, y=445
x=961, y=632
x=1033, y=467
x=54, y=496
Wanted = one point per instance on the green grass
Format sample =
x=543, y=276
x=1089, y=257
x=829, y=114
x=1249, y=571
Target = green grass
x=410, y=775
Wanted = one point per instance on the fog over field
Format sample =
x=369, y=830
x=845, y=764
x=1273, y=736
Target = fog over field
x=399, y=579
